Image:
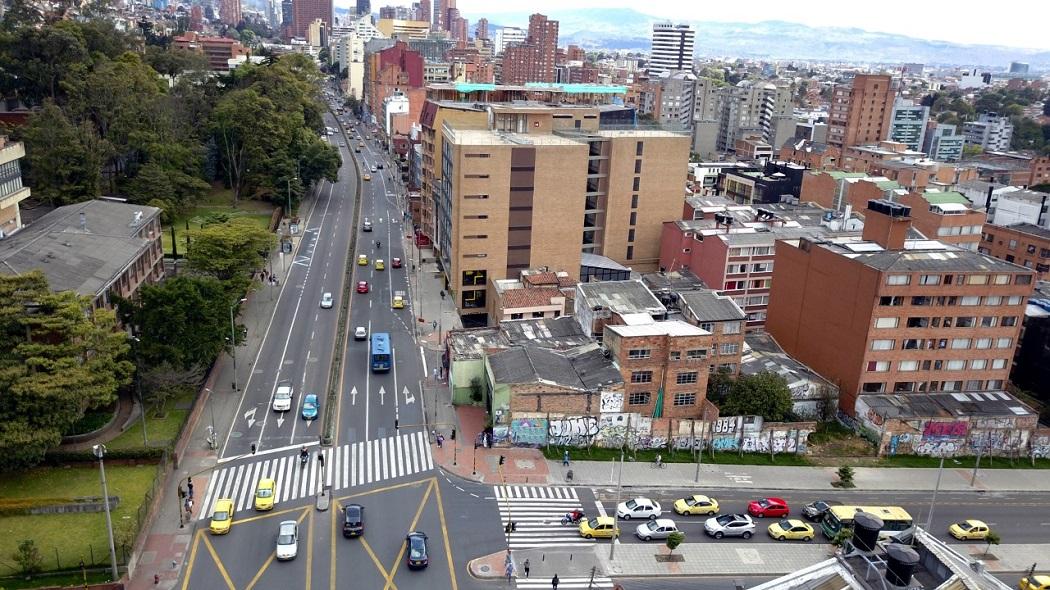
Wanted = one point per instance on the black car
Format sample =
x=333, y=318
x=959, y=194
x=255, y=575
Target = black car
x=417, y=550
x=379, y=165
x=816, y=510
x=353, y=520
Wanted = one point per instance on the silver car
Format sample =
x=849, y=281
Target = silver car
x=287, y=540
x=660, y=528
x=730, y=525
x=327, y=301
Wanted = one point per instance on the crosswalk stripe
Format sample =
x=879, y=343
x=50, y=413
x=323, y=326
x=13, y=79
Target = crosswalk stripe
x=537, y=512
x=564, y=583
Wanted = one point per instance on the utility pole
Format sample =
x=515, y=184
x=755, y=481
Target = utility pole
x=619, y=489
x=233, y=341
x=700, y=455
x=100, y=451
x=138, y=388
x=933, y=500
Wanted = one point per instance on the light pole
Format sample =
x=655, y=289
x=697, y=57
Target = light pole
x=933, y=500
x=233, y=341
x=289, y=205
x=100, y=451
x=619, y=488
x=138, y=388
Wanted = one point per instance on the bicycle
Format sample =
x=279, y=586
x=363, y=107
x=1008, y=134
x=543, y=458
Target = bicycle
x=657, y=464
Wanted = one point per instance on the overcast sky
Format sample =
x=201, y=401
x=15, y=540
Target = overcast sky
x=1014, y=23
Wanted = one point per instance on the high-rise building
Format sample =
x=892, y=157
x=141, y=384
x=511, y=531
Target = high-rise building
x=364, y=7
x=751, y=108
x=677, y=99
x=534, y=61
x=425, y=10
x=398, y=13
x=482, y=30
x=1018, y=67
x=908, y=123
x=860, y=110
x=508, y=37
x=672, y=48
x=943, y=143
x=991, y=132
x=230, y=12
x=457, y=26
x=441, y=8
x=196, y=18
x=306, y=11
x=895, y=315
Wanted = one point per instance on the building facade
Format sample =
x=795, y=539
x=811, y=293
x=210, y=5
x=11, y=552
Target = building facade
x=305, y=11
x=12, y=192
x=1024, y=244
x=860, y=111
x=908, y=123
x=230, y=12
x=534, y=60
x=672, y=48
x=991, y=132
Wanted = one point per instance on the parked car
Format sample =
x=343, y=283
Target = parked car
x=417, y=550
x=816, y=509
x=790, y=528
x=768, y=507
x=327, y=301
x=638, y=508
x=282, y=397
x=730, y=525
x=599, y=527
x=310, y=407
x=287, y=540
x=264, y=493
x=696, y=504
x=1037, y=582
x=221, y=517
x=379, y=165
x=969, y=530
x=360, y=333
x=353, y=520
x=658, y=528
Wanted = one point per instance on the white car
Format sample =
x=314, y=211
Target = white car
x=659, y=528
x=282, y=398
x=373, y=169
x=360, y=333
x=327, y=301
x=638, y=508
x=730, y=525
x=287, y=540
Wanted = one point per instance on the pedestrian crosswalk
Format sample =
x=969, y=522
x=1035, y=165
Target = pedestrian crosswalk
x=564, y=583
x=537, y=512
x=345, y=466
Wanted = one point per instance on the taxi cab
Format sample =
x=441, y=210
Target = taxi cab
x=599, y=527
x=398, y=302
x=362, y=260
x=264, y=494
x=221, y=517
x=380, y=265
x=368, y=177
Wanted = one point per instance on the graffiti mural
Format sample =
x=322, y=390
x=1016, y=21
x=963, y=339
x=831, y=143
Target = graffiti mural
x=612, y=401
x=938, y=448
x=1041, y=446
x=945, y=430
x=576, y=430
x=528, y=431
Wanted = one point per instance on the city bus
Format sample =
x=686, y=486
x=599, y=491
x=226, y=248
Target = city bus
x=380, y=352
x=896, y=522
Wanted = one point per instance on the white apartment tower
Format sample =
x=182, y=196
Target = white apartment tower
x=672, y=48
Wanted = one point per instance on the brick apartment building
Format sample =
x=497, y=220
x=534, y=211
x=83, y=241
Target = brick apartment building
x=723, y=318
x=533, y=61
x=664, y=366
x=891, y=315
x=812, y=155
x=217, y=50
x=539, y=293
x=834, y=189
x=305, y=12
x=394, y=70
x=1021, y=243
x=950, y=221
x=860, y=111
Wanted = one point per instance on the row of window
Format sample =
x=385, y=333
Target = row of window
x=754, y=284
x=968, y=300
x=988, y=321
x=644, y=398
x=959, y=230
x=924, y=386
x=942, y=343
x=745, y=268
x=1012, y=244
x=681, y=378
x=751, y=251
x=949, y=279
x=535, y=314
x=938, y=365
x=727, y=327
x=644, y=353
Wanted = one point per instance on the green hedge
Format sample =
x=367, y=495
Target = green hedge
x=57, y=457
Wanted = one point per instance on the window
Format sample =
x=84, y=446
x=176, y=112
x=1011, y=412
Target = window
x=476, y=237
x=1031, y=249
x=891, y=301
x=975, y=385
x=901, y=386
x=637, y=184
x=918, y=322
x=731, y=328
x=898, y=279
x=475, y=176
x=886, y=322
x=970, y=300
x=699, y=353
x=878, y=366
x=707, y=326
x=634, y=201
x=995, y=384
x=1004, y=343
x=517, y=316
x=641, y=377
x=630, y=235
x=988, y=321
x=979, y=364
x=637, y=166
x=639, y=353
x=908, y=366
x=634, y=218
x=730, y=349
x=993, y=300
x=977, y=280
x=956, y=365
x=873, y=387
x=1012, y=245
x=475, y=196
x=998, y=363
x=965, y=322
x=983, y=343
x=638, y=148
x=1023, y=280
x=685, y=399
x=912, y=344
x=1009, y=321
x=727, y=367
x=1002, y=280
x=760, y=284
x=929, y=279
x=922, y=300
x=686, y=378
x=1014, y=300
x=960, y=343
x=882, y=344
x=476, y=155
x=638, y=398
x=537, y=314
x=630, y=250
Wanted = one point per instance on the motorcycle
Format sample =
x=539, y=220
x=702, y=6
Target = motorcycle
x=572, y=517
x=303, y=458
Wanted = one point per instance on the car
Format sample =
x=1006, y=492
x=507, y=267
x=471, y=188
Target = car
x=395, y=262
x=282, y=397
x=969, y=530
x=638, y=508
x=417, y=551
x=264, y=494
x=380, y=265
x=357, y=150
x=342, y=144
x=368, y=177
x=771, y=507
x=327, y=301
x=659, y=528
x=790, y=528
x=360, y=333
x=361, y=144
x=379, y=165
x=816, y=509
x=366, y=225
x=373, y=169
x=221, y=517
x=599, y=527
x=362, y=286
x=696, y=504
x=398, y=302
x=362, y=260
x=353, y=520
x=730, y=525
x=1037, y=582
x=310, y=406
x=287, y=540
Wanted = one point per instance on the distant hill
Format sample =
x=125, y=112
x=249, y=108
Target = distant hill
x=627, y=29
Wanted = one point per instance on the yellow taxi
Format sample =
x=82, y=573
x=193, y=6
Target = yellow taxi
x=264, y=494
x=791, y=529
x=599, y=527
x=398, y=302
x=969, y=530
x=696, y=504
x=221, y=517
x=1037, y=582
x=368, y=177
x=380, y=265
x=362, y=260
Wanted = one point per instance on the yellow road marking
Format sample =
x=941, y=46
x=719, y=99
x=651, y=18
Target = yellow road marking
x=267, y=514
x=193, y=559
x=415, y=520
x=444, y=533
x=379, y=566
x=386, y=489
x=218, y=562
x=258, y=574
x=310, y=551
x=331, y=557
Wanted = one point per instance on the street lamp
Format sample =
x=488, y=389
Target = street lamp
x=138, y=388
x=100, y=451
x=933, y=500
x=233, y=341
x=290, y=196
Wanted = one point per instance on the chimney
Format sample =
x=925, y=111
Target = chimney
x=83, y=222
x=886, y=223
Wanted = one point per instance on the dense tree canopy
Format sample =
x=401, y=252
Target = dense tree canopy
x=762, y=394
x=230, y=251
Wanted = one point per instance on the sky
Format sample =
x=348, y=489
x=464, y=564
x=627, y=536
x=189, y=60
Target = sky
x=1013, y=23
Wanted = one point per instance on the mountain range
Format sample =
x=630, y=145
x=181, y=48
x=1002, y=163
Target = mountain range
x=627, y=29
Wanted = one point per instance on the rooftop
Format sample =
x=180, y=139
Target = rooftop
x=585, y=368
x=675, y=328
x=708, y=306
x=622, y=297
x=942, y=197
x=763, y=354
x=919, y=255
x=1027, y=228
x=598, y=261
x=556, y=333
x=463, y=136
x=1025, y=194
x=946, y=405
x=531, y=297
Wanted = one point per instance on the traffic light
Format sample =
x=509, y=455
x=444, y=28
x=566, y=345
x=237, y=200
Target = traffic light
x=502, y=459
x=253, y=448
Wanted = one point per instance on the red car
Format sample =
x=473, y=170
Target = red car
x=771, y=507
x=362, y=286
x=395, y=262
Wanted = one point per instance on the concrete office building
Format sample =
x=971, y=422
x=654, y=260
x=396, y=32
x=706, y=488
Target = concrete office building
x=944, y=143
x=672, y=48
x=860, y=111
x=991, y=132
x=893, y=315
x=305, y=12
x=677, y=99
x=508, y=37
x=11, y=190
x=751, y=108
x=908, y=123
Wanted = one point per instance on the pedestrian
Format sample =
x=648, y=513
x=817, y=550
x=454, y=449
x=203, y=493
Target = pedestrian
x=182, y=493
x=565, y=458
x=440, y=439
x=320, y=458
x=189, y=507
x=525, y=566
x=189, y=487
x=554, y=582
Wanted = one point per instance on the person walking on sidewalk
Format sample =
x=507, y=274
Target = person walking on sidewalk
x=565, y=458
x=554, y=582
x=189, y=487
x=525, y=566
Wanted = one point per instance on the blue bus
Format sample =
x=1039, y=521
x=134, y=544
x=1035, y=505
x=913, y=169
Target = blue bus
x=380, y=352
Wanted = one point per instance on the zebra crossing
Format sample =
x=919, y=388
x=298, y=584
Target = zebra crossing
x=537, y=512
x=345, y=466
x=565, y=583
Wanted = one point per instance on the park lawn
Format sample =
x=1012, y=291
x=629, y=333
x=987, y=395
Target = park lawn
x=64, y=539
x=218, y=201
x=160, y=430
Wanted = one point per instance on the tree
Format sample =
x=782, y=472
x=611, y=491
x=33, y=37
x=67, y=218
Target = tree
x=674, y=540
x=991, y=539
x=719, y=384
x=970, y=150
x=1046, y=107
x=229, y=251
x=28, y=558
x=58, y=358
x=165, y=381
x=174, y=188
x=173, y=61
x=764, y=394
x=845, y=474
x=62, y=162
x=36, y=61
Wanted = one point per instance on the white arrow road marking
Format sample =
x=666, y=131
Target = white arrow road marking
x=353, y=395
x=302, y=260
x=280, y=420
x=409, y=399
x=382, y=392
x=250, y=417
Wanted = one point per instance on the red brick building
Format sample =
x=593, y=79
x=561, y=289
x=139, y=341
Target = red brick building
x=305, y=12
x=1020, y=243
x=533, y=61
x=860, y=111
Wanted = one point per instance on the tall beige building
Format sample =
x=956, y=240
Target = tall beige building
x=540, y=186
